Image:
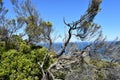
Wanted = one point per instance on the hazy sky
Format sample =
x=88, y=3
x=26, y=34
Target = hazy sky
x=55, y=10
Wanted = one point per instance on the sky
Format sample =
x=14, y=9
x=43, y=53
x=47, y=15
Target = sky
x=71, y=10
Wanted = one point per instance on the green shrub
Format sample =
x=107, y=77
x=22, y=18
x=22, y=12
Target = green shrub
x=15, y=65
x=2, y=46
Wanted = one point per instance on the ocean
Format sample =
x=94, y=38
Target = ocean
x=58, y=45
x=105, y=52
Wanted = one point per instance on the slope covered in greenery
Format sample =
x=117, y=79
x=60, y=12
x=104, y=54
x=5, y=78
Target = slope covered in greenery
x=21, y=61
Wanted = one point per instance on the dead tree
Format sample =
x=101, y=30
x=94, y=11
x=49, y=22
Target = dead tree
x=84, y=27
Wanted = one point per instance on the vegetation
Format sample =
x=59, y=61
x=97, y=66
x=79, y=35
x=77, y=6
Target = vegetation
x=24, y=59
x=22, y=62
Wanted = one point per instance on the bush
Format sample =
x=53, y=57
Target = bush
x=16, y=65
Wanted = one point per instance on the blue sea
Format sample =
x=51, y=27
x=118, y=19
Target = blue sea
x=80, y=45
x=58, y=45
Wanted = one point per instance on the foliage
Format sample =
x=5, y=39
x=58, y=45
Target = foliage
x=24, y=60
x=22, y=63
x=2, y=46
x=35, y=27
x=95, y=70
x=18, y=59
